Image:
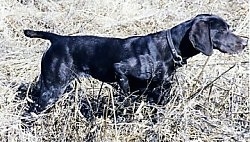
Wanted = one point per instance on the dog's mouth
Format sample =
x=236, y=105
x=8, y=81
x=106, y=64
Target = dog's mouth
x=231, y=51
x=238, y=48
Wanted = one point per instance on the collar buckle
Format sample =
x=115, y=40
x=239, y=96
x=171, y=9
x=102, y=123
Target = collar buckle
x=176, y=57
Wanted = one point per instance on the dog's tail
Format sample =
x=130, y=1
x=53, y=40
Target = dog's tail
x=40, y=34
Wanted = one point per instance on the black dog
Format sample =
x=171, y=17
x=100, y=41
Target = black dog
x=137, y=63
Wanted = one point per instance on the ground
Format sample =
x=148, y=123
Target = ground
x=198, y=110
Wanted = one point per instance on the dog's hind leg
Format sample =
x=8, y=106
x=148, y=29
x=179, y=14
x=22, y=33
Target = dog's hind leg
x=56, y=74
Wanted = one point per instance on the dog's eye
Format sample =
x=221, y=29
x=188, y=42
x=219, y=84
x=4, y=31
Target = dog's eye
x=222, y=30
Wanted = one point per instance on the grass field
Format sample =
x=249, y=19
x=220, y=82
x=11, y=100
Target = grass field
x=219, y=112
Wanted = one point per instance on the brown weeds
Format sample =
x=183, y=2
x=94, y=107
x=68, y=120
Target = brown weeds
x=218, y=112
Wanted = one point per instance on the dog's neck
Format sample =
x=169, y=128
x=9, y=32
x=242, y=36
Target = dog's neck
x=180, y=38
x=177, y=58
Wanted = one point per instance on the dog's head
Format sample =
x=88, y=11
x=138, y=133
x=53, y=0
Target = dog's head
x=210, y=32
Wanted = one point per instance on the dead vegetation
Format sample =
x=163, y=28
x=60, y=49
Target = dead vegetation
x=204, y=106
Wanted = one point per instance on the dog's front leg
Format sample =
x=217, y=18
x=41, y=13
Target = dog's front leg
x=121, y=69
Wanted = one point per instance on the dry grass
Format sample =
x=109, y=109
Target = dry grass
x=220, y=112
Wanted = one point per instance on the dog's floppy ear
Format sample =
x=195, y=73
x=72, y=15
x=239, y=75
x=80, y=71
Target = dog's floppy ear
x=199, y=36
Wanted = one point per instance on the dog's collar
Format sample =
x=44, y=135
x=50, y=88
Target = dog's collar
x=176, y=57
